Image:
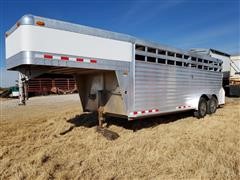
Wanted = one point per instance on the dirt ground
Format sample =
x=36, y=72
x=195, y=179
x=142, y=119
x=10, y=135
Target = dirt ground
x=48, y=139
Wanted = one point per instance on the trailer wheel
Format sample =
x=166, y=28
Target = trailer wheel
x=212, y=105
x=202, y=108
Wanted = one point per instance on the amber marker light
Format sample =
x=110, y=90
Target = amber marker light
x=18, y=24
x=40, y=23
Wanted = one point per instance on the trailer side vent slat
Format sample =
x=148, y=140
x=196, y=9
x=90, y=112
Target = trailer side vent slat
x=205, y=61
x=162, y=52
x=193, y=58
x=151, y=59
x=161, y=61
x=140, y=57
x=205, y=68
x=186, y=57
x=151, y=50
x=187, y=64
x=170, y=62
x=179, y=55
x=179, y=63
x=193, y=66
x=140, y=47
x=169, y=53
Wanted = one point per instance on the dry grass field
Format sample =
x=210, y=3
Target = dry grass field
x=33, y=145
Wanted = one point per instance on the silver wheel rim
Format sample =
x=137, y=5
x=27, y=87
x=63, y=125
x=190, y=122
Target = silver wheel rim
x=203, y=109
x=212, y=106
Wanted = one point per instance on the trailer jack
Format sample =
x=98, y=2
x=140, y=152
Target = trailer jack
x=22, y=84
x=101, y=117
x=109, y=135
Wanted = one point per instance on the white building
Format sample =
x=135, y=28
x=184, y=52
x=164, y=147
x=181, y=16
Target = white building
x=235, y=64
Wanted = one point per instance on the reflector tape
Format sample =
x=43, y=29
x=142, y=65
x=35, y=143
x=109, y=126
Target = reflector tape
x=93, y=61
x=183, y=107
x=47, y=56
x=79, y=59
x=66, y=58
x=150, y=111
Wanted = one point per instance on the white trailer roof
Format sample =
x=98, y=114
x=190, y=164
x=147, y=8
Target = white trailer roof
x=62, y=25
x=66, y=26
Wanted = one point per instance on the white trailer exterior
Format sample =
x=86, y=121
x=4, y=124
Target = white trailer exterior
x=234, y=81
x=235, y=68
x=119, y=74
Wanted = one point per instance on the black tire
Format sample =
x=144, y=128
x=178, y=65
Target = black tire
x=212, y=105
x=202, y=108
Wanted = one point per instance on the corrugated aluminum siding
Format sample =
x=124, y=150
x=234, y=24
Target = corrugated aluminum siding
x=168, y=86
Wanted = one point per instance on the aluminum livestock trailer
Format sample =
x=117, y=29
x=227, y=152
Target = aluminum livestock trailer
x=116, y=74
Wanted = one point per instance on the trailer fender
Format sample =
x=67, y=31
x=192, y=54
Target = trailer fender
x=221, y=97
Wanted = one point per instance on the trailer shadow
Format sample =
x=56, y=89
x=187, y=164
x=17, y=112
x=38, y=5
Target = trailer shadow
x=149, y=122
x=91, y=120
x=86, y=120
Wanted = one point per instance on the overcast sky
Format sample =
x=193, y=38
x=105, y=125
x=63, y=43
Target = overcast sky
x=183, y=24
